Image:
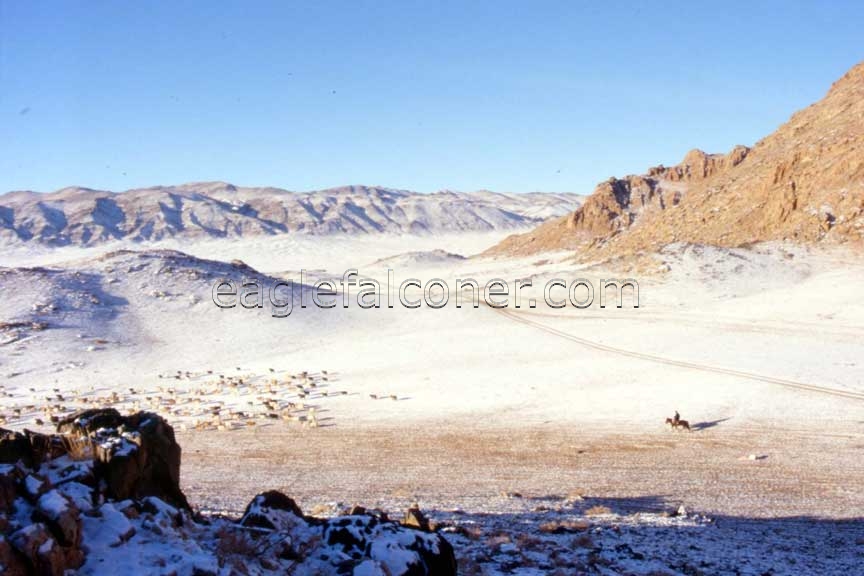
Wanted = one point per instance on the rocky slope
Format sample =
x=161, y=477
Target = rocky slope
x=103, y=496
x=81, y=216
x=803, y=183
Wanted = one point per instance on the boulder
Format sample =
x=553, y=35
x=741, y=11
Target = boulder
x=34, y=486
x=271, y=510
x=62, y=516
x=44, y=555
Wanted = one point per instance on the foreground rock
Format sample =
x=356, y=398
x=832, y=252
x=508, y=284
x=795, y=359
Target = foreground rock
x=103, y=496
x=352, y=544
x=137, y=455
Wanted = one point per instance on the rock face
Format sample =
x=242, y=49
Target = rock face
x=80, y=216
x=803, y=183
x=43, y=553
x=105, y=493
x=617, y=204
x=29, y=447
x=137, y=455
x=12, y=562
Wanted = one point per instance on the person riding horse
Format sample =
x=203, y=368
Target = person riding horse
x=676, y=418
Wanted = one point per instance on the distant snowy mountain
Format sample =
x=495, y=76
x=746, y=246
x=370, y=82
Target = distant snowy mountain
x=81, y=216
x=428, y=257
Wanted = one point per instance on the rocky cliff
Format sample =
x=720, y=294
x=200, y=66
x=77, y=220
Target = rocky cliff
x=803, y=183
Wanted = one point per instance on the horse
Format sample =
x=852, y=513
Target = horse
x=680, y=424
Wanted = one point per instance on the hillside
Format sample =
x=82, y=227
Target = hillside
x=803, y=183
x=81, y=216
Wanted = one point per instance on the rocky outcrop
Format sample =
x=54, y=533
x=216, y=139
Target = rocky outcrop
x=51, y=542
x=267, y=510
x=15, y=447
x=52, y=479
x=28, y=447
x=697, y=165
x=137, y=455
x=617, y=204
x=358, y=543
x=106, y=489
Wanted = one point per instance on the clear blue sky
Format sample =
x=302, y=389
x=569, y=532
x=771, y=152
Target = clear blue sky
x=510, y=96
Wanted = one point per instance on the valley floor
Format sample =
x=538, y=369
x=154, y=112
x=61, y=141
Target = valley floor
x=592, y=499
x=499, y=424
x=755, y=472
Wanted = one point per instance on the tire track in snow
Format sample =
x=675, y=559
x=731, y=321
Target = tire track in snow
x=792, y=384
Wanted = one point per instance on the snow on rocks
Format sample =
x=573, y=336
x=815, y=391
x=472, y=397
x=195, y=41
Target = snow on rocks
x=43, y=554
x=137, y=455
x=353, y=544
x=368, y=541
x=62, y=515
x=112, y=503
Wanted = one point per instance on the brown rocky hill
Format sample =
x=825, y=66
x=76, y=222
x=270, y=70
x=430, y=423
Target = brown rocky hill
x=803, y=183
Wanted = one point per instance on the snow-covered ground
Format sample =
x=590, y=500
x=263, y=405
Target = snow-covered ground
x=759, y=349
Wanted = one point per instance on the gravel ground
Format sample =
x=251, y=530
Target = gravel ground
x=795, y=473
x=545, y=500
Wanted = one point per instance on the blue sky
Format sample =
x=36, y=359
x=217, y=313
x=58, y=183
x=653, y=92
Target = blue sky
x=509, y=96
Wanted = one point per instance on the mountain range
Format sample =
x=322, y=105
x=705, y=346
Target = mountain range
x=81, y=216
